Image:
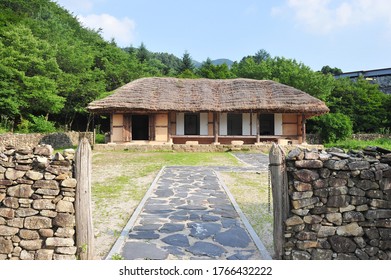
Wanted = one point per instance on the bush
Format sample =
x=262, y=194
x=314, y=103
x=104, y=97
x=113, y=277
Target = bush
x=333, y=127
x=37, y=124
x=41, y=125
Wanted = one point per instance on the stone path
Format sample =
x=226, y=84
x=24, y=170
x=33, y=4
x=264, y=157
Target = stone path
x=188, y=214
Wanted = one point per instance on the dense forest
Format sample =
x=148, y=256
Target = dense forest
x=51, y=67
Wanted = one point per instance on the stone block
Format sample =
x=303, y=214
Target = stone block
x=379, y=203
x=59, y=242
x=8, y=231
x=48, y=213
x=335, y=218
x=312, y=219
x=31, y=244
x=326, y=231
x=352, y=229
x=65, y=206
x=342, y=244
x=7, y=213
x=359, y=165
x=337, y=182
x=324, y=173
x=65, y=232
x=37, y=222
x=301, y=195
x=358, y=200
x=385, y=184
x=306, y=244
x=353, y=216
x=294, y=220
x=11, y=202
x=46, y=184
x=306, y=175
x=385, y=233
x=34, y=175
x=322, y=254
x=22, y=190
x=356, y=191
x=301, y=186
x=28, y=234
x=26, y=255
x=26, y=212
x=338, y=191
x=336, y=164
x=306, y=235
x=44, y=150
x=321, y=183
x=6, y=246
x=64, y=220
x=13, y=174
x=66, y=250
x=300, y=255
x=44, y=254
x=310, y=164
x=41, y=204
x=367, y=185
x=375, y=194
x=15, y=222
x=367, y=175
x=69, y=183
x=61, y=257
x=46, y=232
x=301, y=203
x=338, y=201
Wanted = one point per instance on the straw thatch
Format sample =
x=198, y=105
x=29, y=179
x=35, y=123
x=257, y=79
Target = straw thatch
x=196, y=95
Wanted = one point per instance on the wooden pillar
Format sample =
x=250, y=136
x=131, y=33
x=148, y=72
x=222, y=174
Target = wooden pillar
x=303, y=127
x=258, y=128
x=279, y=185
x=169, y=138
x=216, y=127
x=83, y=210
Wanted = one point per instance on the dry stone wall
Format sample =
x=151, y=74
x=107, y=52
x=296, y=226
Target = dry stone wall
x=56, y=140
x=340, y=205
x=37, y=194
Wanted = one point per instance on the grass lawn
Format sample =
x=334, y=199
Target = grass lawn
x=351, y=144
x=120, y=180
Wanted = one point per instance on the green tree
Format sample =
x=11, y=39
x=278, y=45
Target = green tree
x=333, y=127
x=187, y=63
x=328, y=70
x=142, y=53
x=210, y=71
x=362, y=101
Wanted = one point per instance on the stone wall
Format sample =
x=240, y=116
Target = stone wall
x=316, y=139
x=340, y=205
x=56, y=140
x=37, y=194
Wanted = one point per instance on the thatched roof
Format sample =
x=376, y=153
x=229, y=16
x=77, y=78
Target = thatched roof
x=196, y=95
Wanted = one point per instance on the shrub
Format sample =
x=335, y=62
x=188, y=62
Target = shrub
x=333, y=127
x=41, y=125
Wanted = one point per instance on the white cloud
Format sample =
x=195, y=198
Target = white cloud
x=122, y=30
x=325, y=16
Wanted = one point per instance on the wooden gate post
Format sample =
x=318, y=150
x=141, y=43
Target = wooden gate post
x=84, y=228
x=279, y=181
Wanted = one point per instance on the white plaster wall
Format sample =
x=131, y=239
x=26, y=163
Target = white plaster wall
x=203, y=123
x=254, y=124
x=246, y=123
x=180, y=124
x=277, y=124
x=223, y=124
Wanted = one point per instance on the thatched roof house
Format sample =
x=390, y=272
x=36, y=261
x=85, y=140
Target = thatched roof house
x=207, y=111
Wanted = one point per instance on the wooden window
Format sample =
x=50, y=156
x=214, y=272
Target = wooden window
x=234, y=124
x=192, y=124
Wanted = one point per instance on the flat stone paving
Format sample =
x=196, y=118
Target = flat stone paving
x=188, y=215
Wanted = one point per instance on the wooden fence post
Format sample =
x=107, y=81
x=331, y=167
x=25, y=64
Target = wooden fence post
x=279, y=181
x=84, y=228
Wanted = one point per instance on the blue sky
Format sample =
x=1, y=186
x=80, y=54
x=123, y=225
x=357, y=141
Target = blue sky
x=349, y=34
